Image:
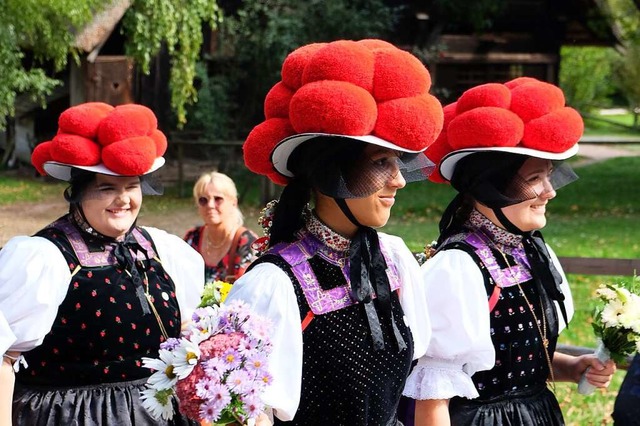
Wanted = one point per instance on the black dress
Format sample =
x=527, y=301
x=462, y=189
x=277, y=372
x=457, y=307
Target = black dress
x=88, y=370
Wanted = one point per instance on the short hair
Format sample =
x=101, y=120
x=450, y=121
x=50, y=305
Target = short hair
x=223, y=183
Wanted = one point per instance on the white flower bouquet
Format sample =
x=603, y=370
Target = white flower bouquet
x=217, y=370
x=616, y=323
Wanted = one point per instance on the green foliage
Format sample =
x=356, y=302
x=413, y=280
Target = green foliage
x=263, y=32
x=42, y=26
x=176, y=24
x=586, y=76
x=478, y=15
x=627, y=76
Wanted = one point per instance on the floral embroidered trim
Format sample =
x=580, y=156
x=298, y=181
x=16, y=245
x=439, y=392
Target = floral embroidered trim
x=492, y=231
x=327, y=235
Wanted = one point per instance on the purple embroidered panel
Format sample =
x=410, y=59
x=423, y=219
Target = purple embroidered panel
x=323, y=301
x=513, y=275
x=103, y=258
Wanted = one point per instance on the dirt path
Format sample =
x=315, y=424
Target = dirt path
x=27, y=218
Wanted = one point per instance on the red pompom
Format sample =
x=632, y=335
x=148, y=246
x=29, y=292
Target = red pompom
x=40, y=155
x=333, y=107
x=276, y=104
x=83, y=119
x=535, y=99
x=485, y=95
x=341, y=60
x=126, y=121
x=412, y=123
x=485, y=127
x=130, y=157
x=261, y=141
x=520, y=80
x=449, y=113
x=398, y=74
x=554, y=132
x=75, y=150
x=295, y=63
x=161, y=142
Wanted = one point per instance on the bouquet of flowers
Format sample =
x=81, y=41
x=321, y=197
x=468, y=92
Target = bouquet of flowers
x=616, y=324
x=214, y=293
x=216, y=370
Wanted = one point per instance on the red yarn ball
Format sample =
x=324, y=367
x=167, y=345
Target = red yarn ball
x=161, y=142
x=485, y=127
x=295, y=63
x=333, y=107
x=412, y=123
x=262, y=139
x=278, y=179
x=435, y=153
x=124, y=122
x=374, y=43
x=130, y=157
x=75, y=150
x=554, y=132
x=40, y=155
x=83, y=119
x=398, y=74
x=485, y=95
x=535, y=99
x=341, y=60
x=276, y=103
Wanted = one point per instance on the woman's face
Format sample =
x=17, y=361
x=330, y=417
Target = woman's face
x=375, y=209
x=112, y=203
x=214, y=206
x=530, y=215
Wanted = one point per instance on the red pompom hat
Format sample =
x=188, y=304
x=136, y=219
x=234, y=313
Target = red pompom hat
x=94, y=136
x=367, y=90
x=523, y=116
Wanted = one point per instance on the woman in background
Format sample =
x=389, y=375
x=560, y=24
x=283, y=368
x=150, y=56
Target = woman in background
x=223, y=241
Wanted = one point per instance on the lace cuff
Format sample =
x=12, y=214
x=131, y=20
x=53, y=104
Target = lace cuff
x=428, y=382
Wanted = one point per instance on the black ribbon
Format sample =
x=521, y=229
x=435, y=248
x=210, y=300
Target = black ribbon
x=123, y=253
x=367, y=266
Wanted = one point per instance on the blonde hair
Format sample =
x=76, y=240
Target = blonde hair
x=224, y=184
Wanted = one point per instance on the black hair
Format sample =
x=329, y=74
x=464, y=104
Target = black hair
x=78, y=183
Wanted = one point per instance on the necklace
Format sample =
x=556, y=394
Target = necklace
x=541, y=330
x=210, y=247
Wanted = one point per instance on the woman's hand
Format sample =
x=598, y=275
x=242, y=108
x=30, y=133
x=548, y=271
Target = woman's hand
x=570, y=368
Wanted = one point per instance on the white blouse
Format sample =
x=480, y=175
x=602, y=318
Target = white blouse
x=460, y=341
x=270, y=293
x=34, y=279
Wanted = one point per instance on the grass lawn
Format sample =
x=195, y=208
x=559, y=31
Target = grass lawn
x=596, y=216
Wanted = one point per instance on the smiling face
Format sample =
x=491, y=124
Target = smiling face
x=529, y=215
x=112, y=203
x=373, y=210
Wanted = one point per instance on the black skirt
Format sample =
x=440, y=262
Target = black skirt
x=116, y=404
x=536, y=407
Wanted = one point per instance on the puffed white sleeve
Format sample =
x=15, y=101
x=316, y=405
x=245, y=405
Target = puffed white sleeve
x=34, y=279
x=412, y=294
x=184, y=265
x=269, y=292
x=7, y=338
x=460, y=342
x=566, y=290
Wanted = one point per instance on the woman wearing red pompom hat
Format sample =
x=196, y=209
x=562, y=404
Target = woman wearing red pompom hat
x=344, y=131
x=490, y=363
x=91, y=294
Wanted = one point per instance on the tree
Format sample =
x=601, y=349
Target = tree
x=42, y=28
x=586, y=76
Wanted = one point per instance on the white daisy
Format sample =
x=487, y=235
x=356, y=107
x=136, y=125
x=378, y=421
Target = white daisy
x=158, y=403
x=186, y=357
x=164, y=376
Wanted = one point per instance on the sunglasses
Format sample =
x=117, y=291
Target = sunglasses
x=204, y=201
